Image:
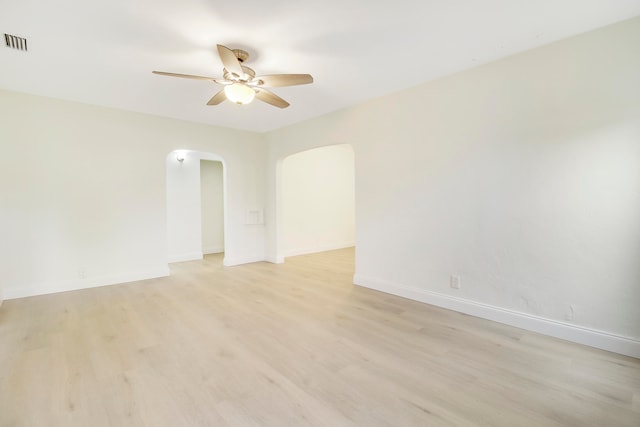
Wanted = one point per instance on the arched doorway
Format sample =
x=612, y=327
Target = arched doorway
x=317, y=201
x=188, y=174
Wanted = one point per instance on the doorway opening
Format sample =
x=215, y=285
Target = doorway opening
x=318, y=201
x=212, y=206
x=196, y=205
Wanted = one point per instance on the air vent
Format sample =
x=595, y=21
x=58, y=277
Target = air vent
x=15, y=42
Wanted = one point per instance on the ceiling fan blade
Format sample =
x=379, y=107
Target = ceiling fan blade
x=271, y=98
x=217, y=98
x=278, y=80
x=189, y=76
x=230, y=62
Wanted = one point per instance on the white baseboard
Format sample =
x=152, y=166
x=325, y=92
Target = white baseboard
x=212, y=250
x=567, y=331
x=192, y=256
x=90, y=282
x=319, y=248
x=231, y=261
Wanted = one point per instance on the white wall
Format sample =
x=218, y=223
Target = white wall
x=318, y=200
x=184, y=222
x=521, y=176
x=83, y=193
x=212, y=196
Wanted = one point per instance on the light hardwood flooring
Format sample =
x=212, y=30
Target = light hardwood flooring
x=290, y=345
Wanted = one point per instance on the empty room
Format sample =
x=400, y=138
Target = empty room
x=337, y=213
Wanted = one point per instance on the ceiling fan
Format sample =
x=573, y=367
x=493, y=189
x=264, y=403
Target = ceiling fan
x=241, y=85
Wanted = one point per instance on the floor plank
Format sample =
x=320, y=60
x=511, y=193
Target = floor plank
x=294, y=344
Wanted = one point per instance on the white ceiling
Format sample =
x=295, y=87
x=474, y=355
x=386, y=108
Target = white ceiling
x=102, y=52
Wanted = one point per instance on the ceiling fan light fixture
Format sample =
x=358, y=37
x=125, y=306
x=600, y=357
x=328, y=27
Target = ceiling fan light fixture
x=240, y=83
x=239, y=93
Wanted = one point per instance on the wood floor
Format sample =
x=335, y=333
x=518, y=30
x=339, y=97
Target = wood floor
x=290, y=345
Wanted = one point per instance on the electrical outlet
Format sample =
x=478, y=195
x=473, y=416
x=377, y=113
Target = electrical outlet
x=454, y=281
x=81, y=274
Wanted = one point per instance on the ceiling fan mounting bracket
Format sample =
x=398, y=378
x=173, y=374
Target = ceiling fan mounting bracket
x=242, y=55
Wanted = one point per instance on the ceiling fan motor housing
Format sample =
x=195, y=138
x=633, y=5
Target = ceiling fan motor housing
x=249, y=73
